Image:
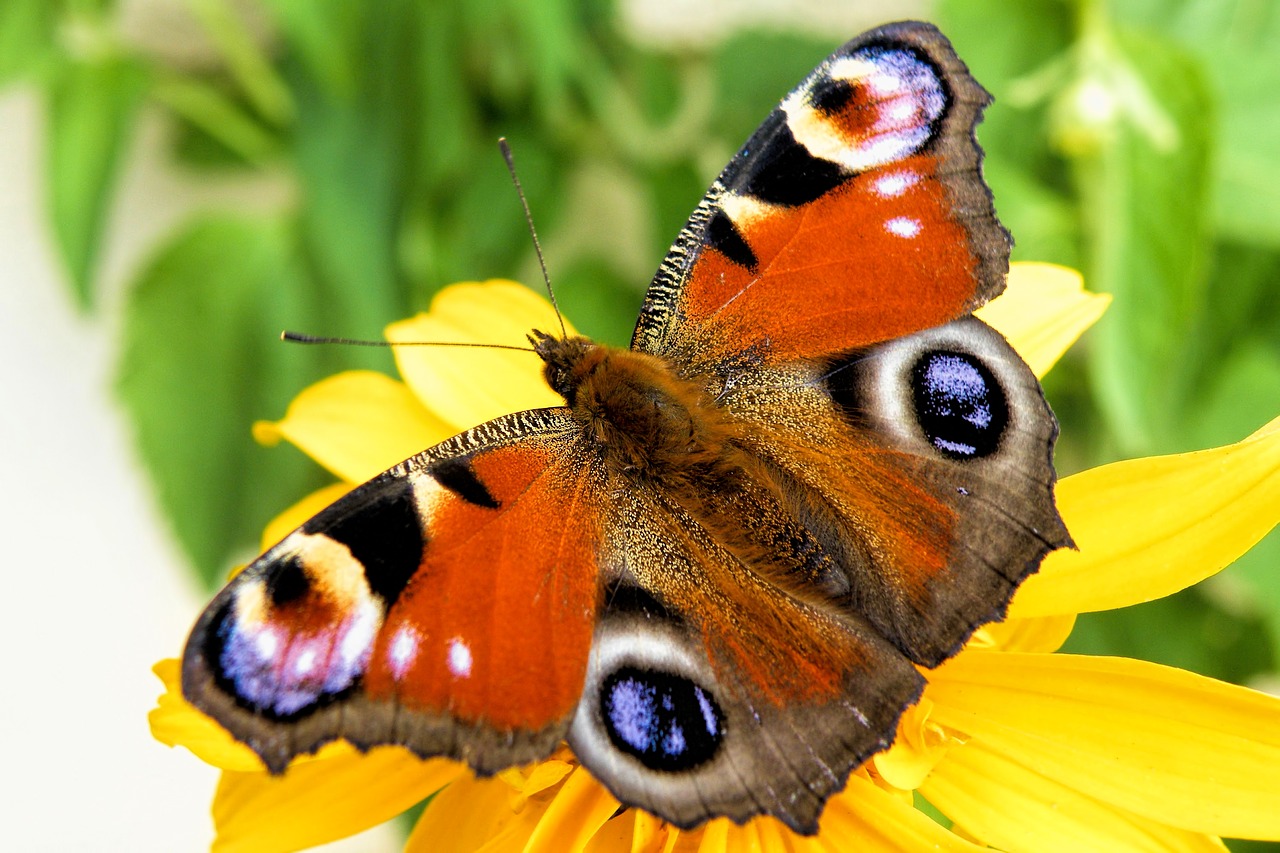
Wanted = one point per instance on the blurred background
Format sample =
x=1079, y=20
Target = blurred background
x=182, y=179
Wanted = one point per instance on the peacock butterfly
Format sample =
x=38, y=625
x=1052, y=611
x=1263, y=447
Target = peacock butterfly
x=718, y=568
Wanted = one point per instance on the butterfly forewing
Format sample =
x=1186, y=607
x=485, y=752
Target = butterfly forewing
x=447, y=605
x=855, y=214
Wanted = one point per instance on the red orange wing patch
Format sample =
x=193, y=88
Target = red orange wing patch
x=855, y=214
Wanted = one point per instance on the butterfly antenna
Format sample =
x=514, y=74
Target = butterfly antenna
x=528, y=218
x=301, y=338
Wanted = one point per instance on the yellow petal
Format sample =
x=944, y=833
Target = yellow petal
x=176, y=722
x=615, y=836
x=653, y=834
x=357, y=424
x=866, y=818
x=467, y=386
x=536, y=778
x=1150, y=527
x=1042, y=312
x=294, y=517
x=580, y=808
x=1041, y=634
x=1166, y=744
x=1011, y=804
x=919, y=746
x=507, y=830
x=320, y=801
x=462, y=817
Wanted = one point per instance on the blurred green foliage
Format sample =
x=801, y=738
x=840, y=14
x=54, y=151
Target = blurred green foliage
x=1138, y=141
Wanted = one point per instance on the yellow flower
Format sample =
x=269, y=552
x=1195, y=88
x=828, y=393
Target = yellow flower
x=1020, y=748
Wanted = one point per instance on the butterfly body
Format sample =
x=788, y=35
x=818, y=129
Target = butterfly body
x=719, y=568
x=648, y=422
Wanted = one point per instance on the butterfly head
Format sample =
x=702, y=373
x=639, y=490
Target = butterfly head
x=566, y=361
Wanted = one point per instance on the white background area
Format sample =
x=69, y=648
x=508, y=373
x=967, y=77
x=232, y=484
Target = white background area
x=95, y=589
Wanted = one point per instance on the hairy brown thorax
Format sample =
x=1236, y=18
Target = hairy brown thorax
x=651, y=422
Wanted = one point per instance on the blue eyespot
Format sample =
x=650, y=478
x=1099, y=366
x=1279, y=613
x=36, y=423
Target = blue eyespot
x=959, y=404
x=666, y=721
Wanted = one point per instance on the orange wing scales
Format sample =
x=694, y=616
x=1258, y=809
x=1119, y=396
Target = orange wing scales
x=496, y=624
x=451, y=593
x=823, y=267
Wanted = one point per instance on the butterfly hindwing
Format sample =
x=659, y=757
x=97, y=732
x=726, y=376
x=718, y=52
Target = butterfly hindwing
x=712, y=690
x=925, y=466
x=855, y=214
x=447, y=605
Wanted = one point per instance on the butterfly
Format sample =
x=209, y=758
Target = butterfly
x=719, y=568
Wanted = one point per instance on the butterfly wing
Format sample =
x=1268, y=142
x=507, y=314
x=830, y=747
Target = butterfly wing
x=924, y=464
x=714, y=691
x=447, y=605
x=855, y=214
x=823, y=290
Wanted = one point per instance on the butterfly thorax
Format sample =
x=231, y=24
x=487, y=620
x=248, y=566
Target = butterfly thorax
x=648, y=421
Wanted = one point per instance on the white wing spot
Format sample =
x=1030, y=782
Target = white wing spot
x=403, y=651
x=459, y=658
x=266, y=644
x=358, y=640
x=886, y=84
x=905, y=110
x=895, y=184
x=903, y=226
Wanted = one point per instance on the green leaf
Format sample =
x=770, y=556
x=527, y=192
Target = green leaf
x=92, y=105
x=1242, y=395
x=1016, y=51
x=217, y=120
x=244, y=59
x=348, y=167
x=202, y=361
x=1042, y=221
x=1246, y=198
x=26, y=37
x=353, y=152
x=319, y=32
x=1238, y=42
x=1002, y=42
x=1133, y=122
x=754, y=71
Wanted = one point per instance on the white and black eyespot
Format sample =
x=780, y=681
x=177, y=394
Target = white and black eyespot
x=381, y=525
x=649, y=704
x=666, y=721
x=860, y=110
x=959, y=404
x=295, y=631
x=957, y=391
